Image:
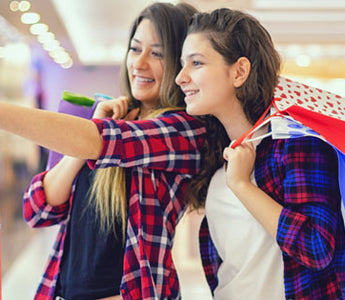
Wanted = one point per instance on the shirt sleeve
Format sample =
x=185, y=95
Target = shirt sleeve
x=37, y=212
x=170, y=142
x=308, y=223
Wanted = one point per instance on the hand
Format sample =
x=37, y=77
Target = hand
x=116, y=108
x=132, y=114
x=240, y=164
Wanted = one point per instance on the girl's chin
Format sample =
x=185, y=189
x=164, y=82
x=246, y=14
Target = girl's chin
x=194, y=111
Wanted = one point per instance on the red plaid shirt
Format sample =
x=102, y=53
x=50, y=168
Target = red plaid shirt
x=163, y=154
x=302, y=175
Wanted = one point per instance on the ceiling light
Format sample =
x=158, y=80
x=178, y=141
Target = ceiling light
x=67, y=64
x=314, y=50
x=30, y=18
x=38, y=28
x=334, y=51
x=24, y=6
x=46, y=36
x=63, y=57
x=14, y=6
x=56, y=52
x=51, y=45
x=303, y=60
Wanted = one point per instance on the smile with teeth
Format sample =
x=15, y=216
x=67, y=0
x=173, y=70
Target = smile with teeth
x=190, y=93
x=143, y=79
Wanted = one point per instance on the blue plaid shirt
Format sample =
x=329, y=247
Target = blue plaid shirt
x=302, y=175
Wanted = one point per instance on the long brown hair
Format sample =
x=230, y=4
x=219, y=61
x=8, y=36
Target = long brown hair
x=211, y=160
x=108, y=192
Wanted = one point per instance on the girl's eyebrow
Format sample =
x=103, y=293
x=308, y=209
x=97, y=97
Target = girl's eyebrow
x=192, y=55
x=151, y=45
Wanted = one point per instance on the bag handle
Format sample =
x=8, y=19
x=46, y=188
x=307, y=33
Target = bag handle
x=263, y=120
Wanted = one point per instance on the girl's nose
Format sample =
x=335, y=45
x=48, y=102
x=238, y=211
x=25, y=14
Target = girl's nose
x=140, y=62
x=181, y=77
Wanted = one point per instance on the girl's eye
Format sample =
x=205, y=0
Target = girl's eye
x=134, y=49
x=157, y=54
x=197, y=63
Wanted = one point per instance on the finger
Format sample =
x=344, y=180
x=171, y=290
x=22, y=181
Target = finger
x=124, y=104
x=123, y=101
x=232, y=142
x=116, y=111
x=103, y=109
x=226, y=153
x=119, y=107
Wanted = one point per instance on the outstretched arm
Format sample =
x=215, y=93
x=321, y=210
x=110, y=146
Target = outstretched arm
x=59, y=180
x=62, y=133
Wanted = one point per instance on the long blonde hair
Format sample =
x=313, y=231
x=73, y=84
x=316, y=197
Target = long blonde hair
x=108, y=191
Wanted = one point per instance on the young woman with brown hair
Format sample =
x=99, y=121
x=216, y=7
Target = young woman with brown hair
x=273, y=226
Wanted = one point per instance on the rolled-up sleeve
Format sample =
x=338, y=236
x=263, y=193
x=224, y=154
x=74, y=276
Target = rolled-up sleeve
x=308, y=222
x=37, y=212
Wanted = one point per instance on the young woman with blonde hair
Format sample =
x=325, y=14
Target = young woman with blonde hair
x=118, y=240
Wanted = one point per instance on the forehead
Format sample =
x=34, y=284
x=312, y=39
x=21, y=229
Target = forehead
x=196, y=43
x=146, y=33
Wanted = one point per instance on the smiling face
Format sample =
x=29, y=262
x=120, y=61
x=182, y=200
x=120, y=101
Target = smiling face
x=206, y=79
x=145, y=64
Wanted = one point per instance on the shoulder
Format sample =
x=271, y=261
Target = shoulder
x=181, y=122
x=309, y=155
x=310, y=150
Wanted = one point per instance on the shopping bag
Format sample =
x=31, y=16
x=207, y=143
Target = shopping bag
x=75, y=110
x=300, y=110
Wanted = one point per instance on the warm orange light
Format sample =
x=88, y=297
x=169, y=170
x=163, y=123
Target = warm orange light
x=14, y=6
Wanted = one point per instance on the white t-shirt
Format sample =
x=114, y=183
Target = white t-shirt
x=252, y=265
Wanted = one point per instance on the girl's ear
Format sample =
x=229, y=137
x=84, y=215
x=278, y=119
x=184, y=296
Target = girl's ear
x=241, y=71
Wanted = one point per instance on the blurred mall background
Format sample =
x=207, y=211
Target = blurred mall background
x=49, y=46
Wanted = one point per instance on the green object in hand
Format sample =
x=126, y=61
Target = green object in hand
x=77, y=99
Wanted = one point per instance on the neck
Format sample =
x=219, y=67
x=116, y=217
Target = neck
x=236, y=123
x=236, y=127
x=233, y=119
x=145, y=111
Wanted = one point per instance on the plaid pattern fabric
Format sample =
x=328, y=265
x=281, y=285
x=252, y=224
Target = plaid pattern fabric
x=38, y=213
x=301, y=174
x=210, y=257
x=163, y=154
